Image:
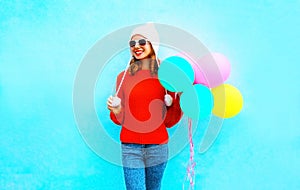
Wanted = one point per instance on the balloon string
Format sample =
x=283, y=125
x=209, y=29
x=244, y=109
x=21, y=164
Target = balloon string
x=191, y=165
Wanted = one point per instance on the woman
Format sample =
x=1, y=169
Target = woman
x=144, y=109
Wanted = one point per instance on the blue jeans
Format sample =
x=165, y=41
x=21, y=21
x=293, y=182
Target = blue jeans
x=144, y=165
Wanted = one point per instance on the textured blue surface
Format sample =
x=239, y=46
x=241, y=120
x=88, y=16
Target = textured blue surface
x=43, y=42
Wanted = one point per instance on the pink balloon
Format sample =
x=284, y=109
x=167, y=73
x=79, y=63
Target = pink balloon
x=216, y=69
x=199, y=75
x=210, y=70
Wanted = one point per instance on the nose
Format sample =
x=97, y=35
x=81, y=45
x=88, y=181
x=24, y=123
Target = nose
x=137, y=45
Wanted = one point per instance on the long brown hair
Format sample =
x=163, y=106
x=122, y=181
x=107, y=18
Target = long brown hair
x=135, y=64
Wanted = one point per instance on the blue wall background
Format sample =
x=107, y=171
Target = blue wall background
x=43, y=42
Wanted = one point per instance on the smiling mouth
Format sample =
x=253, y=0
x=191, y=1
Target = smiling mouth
x=138, y=52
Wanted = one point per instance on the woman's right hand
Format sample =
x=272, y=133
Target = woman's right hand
x=114, y=104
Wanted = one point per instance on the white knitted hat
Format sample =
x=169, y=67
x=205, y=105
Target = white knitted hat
x=149, y=32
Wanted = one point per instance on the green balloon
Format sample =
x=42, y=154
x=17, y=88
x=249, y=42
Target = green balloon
x=197, y=101
x=176, y=74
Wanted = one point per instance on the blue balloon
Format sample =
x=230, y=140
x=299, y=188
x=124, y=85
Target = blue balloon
x=197, y=101
x=176, y=74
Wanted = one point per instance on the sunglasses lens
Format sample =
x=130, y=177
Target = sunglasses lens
x=132, y=43
x=142, y=42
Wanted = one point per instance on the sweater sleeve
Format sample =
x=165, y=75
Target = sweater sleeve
x=174, y=112
x=119, y=118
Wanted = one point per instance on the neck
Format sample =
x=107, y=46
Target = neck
x=145, y=64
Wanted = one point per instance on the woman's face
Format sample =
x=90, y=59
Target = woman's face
x=140, y=51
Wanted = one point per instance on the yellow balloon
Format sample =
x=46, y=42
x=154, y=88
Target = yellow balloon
x=228, y=101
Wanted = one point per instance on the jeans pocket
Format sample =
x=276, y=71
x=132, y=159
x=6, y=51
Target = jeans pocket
x=156, y=155
x=132, y=156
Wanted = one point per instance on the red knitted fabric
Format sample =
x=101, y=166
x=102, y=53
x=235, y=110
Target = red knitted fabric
x=144, y=116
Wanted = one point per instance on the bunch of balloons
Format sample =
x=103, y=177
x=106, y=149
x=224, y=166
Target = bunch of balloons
x=202, y=85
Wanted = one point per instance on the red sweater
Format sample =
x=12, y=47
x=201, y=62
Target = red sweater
x=144, y=116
